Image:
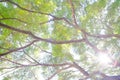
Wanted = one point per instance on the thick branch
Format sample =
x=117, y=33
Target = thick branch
x=93, y=74
x=92, y=46
x=80, y=69
x=38, y=38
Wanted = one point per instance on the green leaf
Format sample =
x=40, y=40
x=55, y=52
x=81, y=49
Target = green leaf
x=6, y=78
x=57, y=51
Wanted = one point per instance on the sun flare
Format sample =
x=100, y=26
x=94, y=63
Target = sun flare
x=104, y=59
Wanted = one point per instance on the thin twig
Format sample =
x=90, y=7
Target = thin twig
x=11, y=61
x=73, y=13
x=58, y=71
x=31, y=57
x=14, y=19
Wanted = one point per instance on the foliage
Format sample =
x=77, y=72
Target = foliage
x=59, y=39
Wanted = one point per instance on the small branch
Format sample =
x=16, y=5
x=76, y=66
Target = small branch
x=10, y=1
x=73, y=12
x=40, y=64
x=74, y=19
x=12, y=61
x=14, y=19
x=105, y=36
x=31, y=57
x=54, y=19
x=4, y=48
x=42, y=49
x=17, y=49
x=34, y=75
x=13, y=67
x=54, y=65
x=28, y=60
x=58, y=71
x=41, y=23
x=7, y=72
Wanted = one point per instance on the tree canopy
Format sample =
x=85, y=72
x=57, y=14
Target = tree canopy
x=59, y=39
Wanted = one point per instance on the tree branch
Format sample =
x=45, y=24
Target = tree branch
x=4, y=48
x=104, y=36
x=3, y=0
x=11, y=61
x=34, y=75
x=14, y=19
x=40, y=64
x=42, y=49
x=58, y=71
x=10, y=1
x=94, y=73
x=92, y=46
x=17, y=49
x=31, y=57
x=74, y=19
x=38, y=38
x=73, y=13
x=80, y=69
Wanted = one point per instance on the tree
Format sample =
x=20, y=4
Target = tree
x=59, y=39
